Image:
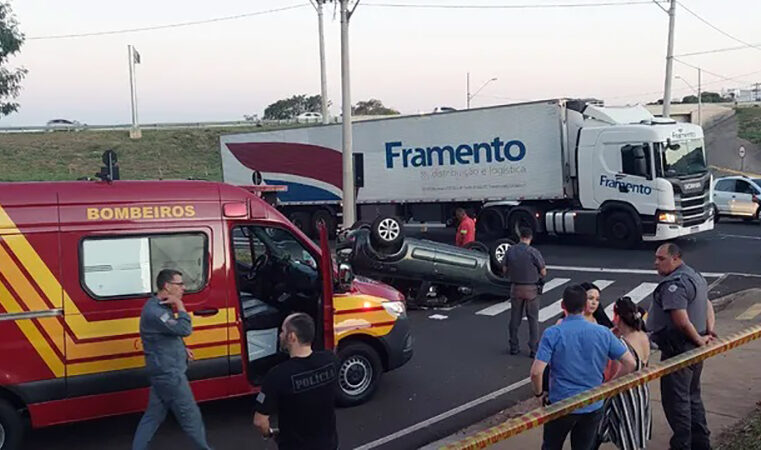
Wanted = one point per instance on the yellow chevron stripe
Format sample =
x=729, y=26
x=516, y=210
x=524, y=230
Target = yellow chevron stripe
x=32, y=334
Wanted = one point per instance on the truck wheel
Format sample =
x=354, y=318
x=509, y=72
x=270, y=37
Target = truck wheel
x=302, y=221
x=520, y=219
x=387, y=233
x=359, y=372
x=323, y=215
x=11, y=427
x=715, y=214
x=621, y=230
x=498, y=252
x=490, y=222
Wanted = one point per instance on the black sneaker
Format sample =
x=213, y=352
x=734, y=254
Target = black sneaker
x=514, y=351
x=532, y=354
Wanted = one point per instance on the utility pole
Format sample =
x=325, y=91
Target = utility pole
x=468, y=89
x=134, y=58
x=349, y=203
x=323, y=77
x=700, y=99
x=669, y=62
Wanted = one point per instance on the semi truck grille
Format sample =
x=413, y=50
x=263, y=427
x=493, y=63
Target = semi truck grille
x=693, y=210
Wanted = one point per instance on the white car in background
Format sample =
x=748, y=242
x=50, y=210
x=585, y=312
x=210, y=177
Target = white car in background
x=309, y=117
x=64, y=124
x=737, y=196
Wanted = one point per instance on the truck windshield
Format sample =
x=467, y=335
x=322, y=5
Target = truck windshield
x=686, y=160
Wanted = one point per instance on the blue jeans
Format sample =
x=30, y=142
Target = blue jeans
x=170, y=393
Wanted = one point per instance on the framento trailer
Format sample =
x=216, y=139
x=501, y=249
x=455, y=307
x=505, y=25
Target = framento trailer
x=558, y=166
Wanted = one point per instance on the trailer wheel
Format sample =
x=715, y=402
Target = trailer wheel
x=359, y=371
x=490, y=222
x=11, y=427
x=387, y=233
x=477, y=246
x=520, y=219
x=323, y=215
x=302, y=221
x=621, y=230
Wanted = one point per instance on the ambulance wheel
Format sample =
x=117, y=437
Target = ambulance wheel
x=359, y=373
x=387, y=233
x=302, y=221
x=11, y=427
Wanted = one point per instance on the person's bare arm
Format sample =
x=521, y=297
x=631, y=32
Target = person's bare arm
x=682, y=322
x=262, y=422
x=710, y=320
x=628, y=364
x=537, y=375
x=543, y=272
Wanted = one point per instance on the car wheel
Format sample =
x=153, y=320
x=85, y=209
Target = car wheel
x=359, y=372
x=499, y=250
x=11, y=427
x=323, y=215
x=490, y=222
x=477, y=246
x=387, y=233
x=302, y=221
x=715, y=214
x=621, y=230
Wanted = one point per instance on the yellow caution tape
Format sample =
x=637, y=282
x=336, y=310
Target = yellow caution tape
x=541, y=416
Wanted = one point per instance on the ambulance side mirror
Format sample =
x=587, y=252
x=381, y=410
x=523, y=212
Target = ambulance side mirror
x=345, y=277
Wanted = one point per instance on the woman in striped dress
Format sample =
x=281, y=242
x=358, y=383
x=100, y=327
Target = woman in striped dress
x=627, y=420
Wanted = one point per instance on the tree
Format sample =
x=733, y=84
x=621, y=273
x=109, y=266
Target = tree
x=373, y=107
x=690, y=99
x=11, y=40
x=291, y=107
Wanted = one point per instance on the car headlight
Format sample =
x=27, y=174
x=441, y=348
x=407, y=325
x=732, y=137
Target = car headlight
x=667, y=217
x=395, y=309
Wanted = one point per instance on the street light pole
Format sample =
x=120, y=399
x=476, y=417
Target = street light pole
x=467, y=90
x=349, y=202
x=470, y=97
x=700, y=101
x=323, y=76
x=669, y=61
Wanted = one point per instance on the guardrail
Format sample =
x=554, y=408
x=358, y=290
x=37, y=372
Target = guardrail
x=163, y=126
x=540, y=416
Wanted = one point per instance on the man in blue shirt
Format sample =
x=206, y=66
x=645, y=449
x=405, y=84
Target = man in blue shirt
x=577, y=352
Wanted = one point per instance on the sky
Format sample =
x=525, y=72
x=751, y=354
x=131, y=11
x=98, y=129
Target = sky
x=412, y=59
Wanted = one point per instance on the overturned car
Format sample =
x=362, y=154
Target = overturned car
x=427, y=272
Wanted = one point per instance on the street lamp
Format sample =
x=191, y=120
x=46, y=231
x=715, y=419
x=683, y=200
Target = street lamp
x=700, y=100
x=469, y=96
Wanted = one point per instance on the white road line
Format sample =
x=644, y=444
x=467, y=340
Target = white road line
x=630, y=271
x=552, y=310
x=501, y=307
x=637, y=294
x=751, y=312
x=444, y=415
x=740, y=236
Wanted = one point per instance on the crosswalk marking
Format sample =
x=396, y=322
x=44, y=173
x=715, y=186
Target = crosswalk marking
x=750, y=313
x=501, y=307
x=637, y=294
x=554, y=309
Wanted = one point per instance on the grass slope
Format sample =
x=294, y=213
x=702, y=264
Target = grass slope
x=167, y=154
x=749, y=123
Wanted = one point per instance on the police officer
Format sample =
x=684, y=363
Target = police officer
x=681, y=318
x=525, y=268
x=163, y=323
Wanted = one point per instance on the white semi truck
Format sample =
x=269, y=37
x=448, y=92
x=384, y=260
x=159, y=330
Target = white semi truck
x=558, y=166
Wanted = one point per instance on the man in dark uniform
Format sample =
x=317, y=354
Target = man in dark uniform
x=166, y=360
x=681, y=318
x=524, y=267
x=301, y=391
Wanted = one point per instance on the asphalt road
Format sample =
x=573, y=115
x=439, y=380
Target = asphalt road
x=461, y=371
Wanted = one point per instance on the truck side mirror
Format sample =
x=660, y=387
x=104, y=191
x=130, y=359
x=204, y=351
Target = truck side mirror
x=345, y=277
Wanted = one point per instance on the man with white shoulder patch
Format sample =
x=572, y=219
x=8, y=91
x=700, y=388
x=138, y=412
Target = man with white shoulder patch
x=163, y=323
x=301, y=391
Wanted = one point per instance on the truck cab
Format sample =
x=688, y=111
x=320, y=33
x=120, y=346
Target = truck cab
x=646, y=176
